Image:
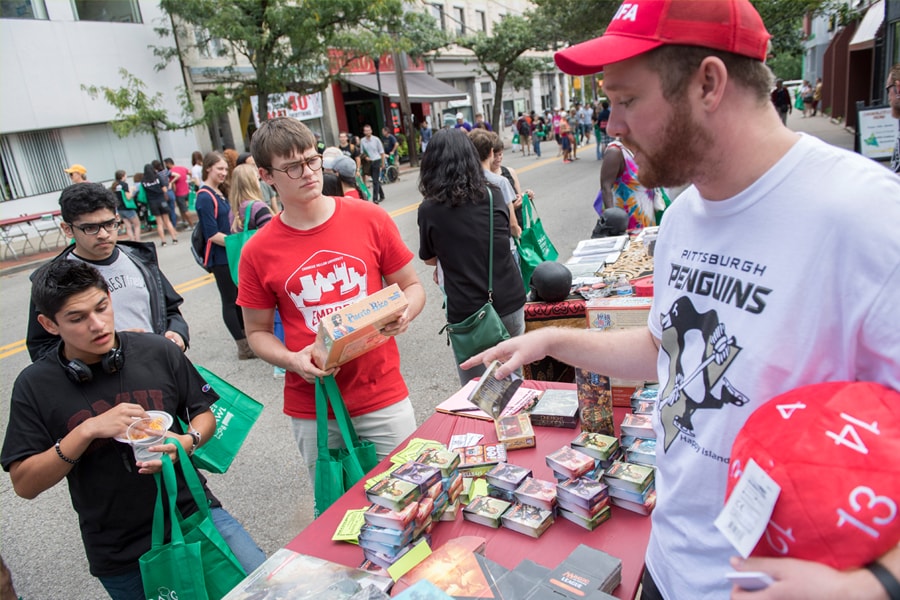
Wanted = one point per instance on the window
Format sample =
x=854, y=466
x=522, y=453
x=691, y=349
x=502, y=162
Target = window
x=209, y=47
x=33, y=163
x=110, y=11
x=460, y=15
x=485, y=87
x=481, y=20
x=22, y=9
x=437, y=11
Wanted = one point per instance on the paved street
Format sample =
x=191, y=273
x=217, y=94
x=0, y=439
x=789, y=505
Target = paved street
x=267, y=487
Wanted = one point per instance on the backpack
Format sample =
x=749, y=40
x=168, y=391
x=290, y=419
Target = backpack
x=200, y=246
x=524, y=128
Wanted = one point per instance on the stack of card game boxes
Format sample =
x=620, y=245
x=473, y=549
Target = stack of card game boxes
x=534, y=509
x=569, y=463
x=447, y=461
x=504, y=479
x=404, y=508
x=631, y=486
x=584, y=501
x=605, y=449
x=477, y=460
x=638, y=439
x=486, y=510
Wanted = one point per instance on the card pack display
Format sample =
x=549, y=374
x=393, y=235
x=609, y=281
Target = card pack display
x=419, y=474
x=597, y=445
x=628, y=476
x=485, y=510
x=481, y=455
x=537, y=492
x=640, y=426
x=582, y=491
x=569, y=462
x=515, y=431
x=642, y=452
x=379, y=516
x=393, y=493
x=528, y=519
x=556, y=408
x=445, y=460
x=589, y=522
x=507, y=476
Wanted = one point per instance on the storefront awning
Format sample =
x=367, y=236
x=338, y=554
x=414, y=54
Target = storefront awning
x=864, y=38
x=420, y=87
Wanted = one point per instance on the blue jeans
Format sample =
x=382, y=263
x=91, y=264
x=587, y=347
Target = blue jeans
x=537, y=146
x=130, y=586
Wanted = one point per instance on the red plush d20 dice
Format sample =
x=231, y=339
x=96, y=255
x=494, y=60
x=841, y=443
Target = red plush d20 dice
x=834, y=448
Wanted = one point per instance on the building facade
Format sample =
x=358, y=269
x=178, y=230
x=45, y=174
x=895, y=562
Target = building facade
x=49, y=49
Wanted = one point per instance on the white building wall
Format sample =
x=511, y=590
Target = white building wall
x=44, y=63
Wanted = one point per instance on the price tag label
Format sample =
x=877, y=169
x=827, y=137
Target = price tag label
x=749, y=508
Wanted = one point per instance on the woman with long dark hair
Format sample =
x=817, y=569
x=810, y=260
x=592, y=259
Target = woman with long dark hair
x=454, y=230
x=214, y=216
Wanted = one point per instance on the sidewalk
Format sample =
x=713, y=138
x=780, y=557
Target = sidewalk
x=821, y=127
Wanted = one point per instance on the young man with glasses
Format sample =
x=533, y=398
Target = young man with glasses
x=316, y=257
x=143, y=298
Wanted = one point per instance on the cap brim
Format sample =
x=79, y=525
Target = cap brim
x=590, y=57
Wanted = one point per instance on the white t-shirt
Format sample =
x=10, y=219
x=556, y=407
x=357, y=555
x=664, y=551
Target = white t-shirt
x=793, y=281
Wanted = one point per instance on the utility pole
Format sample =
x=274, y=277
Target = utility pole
x=405, y=108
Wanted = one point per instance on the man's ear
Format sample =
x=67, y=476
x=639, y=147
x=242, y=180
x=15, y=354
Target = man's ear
x=265, y=175
x=48, y=324
x=67, y=230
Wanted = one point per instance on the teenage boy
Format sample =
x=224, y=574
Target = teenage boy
x=735, y=320
x=67, y=407
x=142, y=296
x=319, y=255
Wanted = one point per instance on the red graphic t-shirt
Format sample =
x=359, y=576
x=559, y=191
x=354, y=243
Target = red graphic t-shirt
x=310, y=274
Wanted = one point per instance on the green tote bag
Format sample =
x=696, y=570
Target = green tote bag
x=235, y=413
x=534, y=246
x=234, y=243
x=337, y=469
x=174, y=569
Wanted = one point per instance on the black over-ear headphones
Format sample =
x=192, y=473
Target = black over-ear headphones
x=79, y=372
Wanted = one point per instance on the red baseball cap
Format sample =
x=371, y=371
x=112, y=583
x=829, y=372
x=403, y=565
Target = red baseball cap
x=642, y=25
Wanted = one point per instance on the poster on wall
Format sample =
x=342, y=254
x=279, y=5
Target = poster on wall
x=290, y=104
x=877, y=132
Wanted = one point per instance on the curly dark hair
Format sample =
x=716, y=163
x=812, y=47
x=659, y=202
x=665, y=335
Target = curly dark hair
x=450, y=171
x=84, y=198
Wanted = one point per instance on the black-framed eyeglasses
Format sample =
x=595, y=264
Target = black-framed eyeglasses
x=295, y=170
x=94, y=228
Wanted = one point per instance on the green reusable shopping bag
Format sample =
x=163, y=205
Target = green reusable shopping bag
x=221, y=568
x=234, y=243
x=366, y=194
x=192, y=201
x=534, y=246
x=337, y=469
x=174, y=569
x=235, y=413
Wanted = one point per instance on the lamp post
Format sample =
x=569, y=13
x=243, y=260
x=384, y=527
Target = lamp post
x=377, y=61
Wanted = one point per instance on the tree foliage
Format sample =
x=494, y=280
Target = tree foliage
x=139, y=112
x=499, y=55
x=290, y=45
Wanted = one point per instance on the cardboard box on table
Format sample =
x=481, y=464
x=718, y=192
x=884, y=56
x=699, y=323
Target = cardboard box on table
x=355, y=329
x=618, y=313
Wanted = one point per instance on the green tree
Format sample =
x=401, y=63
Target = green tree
x=499, y=55
x=139, y=112
x=291, y=46
x=568, y=22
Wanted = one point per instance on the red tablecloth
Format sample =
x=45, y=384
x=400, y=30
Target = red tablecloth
x=625, y=535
